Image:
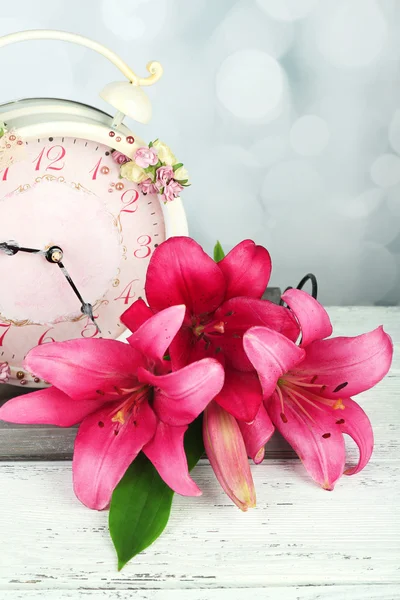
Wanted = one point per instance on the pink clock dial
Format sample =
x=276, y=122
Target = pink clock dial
x=67, y=192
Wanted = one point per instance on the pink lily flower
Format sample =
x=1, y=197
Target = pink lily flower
x=126, y=401
x=227, y=454
x=222, y=301
x=308, y=388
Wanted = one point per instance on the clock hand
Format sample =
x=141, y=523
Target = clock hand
x=55, y=255
x=12, y=248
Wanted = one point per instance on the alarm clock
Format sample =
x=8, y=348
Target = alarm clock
x=75, y=237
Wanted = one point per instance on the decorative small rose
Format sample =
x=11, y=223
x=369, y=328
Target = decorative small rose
x=171, y=191
x=148, y=187
x=4, y=372
x=120, y=158
x=164, y=153
x=181, y=174
x=133, y=172
x=146, y=157
x=164, y=175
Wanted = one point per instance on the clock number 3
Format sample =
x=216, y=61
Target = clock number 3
x=54, y=154
x=143, y=251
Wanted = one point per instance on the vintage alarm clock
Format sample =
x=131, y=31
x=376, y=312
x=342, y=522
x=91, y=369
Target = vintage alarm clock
x=75, y=237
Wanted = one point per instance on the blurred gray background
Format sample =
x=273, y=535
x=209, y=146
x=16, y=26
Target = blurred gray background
x=285, y=112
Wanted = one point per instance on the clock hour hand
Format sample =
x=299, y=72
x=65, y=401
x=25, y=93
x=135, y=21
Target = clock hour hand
x=12, y=247
x=55, y=255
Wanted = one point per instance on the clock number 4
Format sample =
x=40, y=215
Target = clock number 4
x=54, y=154
x=6, y=328
x=143, y=251
x=126, y=295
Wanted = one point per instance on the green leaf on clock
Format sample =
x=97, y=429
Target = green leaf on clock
x=177, y=166
x=219, y=254
x=141, y=502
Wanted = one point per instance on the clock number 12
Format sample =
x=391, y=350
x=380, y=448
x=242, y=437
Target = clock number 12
x=52, y=156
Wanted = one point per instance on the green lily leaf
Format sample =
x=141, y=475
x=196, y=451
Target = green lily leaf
x=177, y=166
x=219, y=254
x=141, y=502
x=150, y=144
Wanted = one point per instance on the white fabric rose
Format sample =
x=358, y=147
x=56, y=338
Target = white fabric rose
x=181, y=174
x=164, y=153
x=133, y=172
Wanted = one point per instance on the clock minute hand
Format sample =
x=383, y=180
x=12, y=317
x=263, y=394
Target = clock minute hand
x=55, y=255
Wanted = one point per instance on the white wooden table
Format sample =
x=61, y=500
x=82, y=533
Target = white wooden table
x=300, y=543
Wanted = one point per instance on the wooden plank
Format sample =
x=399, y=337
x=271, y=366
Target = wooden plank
x=336, y=592
x=42, y=442
x=299, y=534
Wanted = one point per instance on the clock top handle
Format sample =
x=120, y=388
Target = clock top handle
x=126, y=96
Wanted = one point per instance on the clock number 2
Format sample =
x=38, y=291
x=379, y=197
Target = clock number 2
x=143, y=251
x=129, y=200
x=6, y=328
x=54, y=154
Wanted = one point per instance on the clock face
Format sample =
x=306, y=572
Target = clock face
x=66, y=192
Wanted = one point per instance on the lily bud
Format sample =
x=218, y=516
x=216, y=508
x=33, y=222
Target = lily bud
x=227, y=454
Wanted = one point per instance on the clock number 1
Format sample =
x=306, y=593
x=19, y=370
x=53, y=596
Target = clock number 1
x=4, y=178
x=95, y=169
x=6, y=328
x=54, y=157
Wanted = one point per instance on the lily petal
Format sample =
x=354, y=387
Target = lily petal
x=313, y=319
x=315, y=438
x=101, y=457
x=182, y=395
x=351, y=364
x=228, y=457
x=167, y=453
x=247, y=269
x=241, y=395
x=137, y=314
x=85, y=369
x=49, y=406
x=271, y=354
x=186, y=349
x=257, y=434
x=180, y=272
x=353, y=421
x=239, y=314
x=153, y=338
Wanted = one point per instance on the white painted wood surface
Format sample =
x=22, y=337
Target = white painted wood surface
x=300, y=543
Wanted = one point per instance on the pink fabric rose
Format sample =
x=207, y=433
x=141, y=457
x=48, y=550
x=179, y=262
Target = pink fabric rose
x=120, y=158
x=4, y=372
x=171, y=190
x=148, y=187
x=163, y=175
x=146, y=157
